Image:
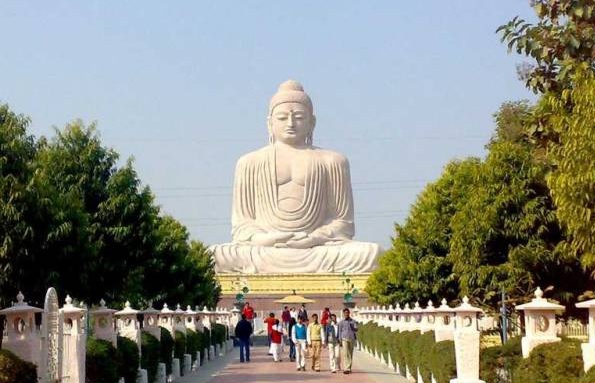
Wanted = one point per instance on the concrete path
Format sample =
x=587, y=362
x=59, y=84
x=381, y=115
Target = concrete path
x=261, y=368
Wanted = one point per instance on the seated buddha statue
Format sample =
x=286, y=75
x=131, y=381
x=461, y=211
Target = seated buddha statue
x=292, y=201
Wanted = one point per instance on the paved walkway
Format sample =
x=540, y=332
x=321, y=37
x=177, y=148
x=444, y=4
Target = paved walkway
x=261, y=368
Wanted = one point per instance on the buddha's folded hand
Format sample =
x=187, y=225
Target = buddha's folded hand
x=270, y=239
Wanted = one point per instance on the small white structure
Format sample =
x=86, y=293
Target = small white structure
x=166, y=319
x=179, y=319
x=540, y=322
x=191, y=319
x=445, y=322
x=466, y=337
x=151, y=322
x=206, y=318
x=74, y=342
x=428, y=320
x=417, y=317
x=589, y=348
x=127, y=324
x=199, y=324
x=21, y=334
x=104, y=326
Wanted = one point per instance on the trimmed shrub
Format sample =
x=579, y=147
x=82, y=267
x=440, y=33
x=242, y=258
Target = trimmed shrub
x=407, y=341
x=559, y=362
x=589, y=377
x=218, y=333
x=396, y=354
x=180, y=348
x=128, y=359
x=101, y=364
x=14, y=369
x=150, y=350
x=193, y=343
x=166, y=354
x=498, y=363
x=443, y=362
x=423, y=344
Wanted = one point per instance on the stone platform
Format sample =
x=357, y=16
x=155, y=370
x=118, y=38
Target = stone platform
x=326, y=289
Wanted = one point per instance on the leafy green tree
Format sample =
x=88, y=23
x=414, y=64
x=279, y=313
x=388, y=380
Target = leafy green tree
x=562, y=46
x=563, y=39
x=417, y=265
x=572, y=180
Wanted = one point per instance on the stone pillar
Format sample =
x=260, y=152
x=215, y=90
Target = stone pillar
x=104, y=326
x=166, y=319
x=179, y=323
x=417, y=314
x=540, y=322
x=445, y=326
x=206, y=318
x=22, y=337
x=74, y=342
x=397, y=316
x=428, y=320
x=127, y=324
x=407, y=318
x=466, y=343
x=589, y=347
x=151, y=322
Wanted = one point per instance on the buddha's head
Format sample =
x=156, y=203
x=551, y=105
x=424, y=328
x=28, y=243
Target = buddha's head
x=291, y=117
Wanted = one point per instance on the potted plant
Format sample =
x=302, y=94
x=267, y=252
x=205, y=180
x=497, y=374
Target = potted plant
x=242, y=291
x=350, y=291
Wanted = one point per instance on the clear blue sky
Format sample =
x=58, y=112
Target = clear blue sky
x=399, y=87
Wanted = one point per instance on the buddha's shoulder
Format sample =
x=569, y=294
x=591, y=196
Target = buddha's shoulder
x=330, y=156
x=253, y=157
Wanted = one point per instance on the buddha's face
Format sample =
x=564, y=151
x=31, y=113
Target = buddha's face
x=291, y=123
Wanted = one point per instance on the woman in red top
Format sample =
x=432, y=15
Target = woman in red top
x=276, y=337
x=270, y=322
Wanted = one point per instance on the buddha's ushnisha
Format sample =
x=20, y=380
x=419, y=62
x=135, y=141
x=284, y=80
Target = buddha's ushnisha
x=292, y=201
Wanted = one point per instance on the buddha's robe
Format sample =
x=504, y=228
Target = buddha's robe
x=326, y=211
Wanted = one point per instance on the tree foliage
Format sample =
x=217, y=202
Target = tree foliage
x=71, y=218
x=562, y=47
x=483, y=227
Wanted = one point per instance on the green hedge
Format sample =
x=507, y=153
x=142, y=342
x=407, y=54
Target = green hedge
x=497, y=363
x=559, y=362
x=218, y=333
x=101, y=363
x=128, y=359
x=180, y=348
x=150, y=351
x=195, y=341
x=413, y=350
x=13, y=369
x=167, y=349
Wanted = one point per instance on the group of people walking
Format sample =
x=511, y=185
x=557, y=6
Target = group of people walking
x=306, y=337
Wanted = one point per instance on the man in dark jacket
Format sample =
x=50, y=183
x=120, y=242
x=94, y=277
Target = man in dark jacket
x=243, y=332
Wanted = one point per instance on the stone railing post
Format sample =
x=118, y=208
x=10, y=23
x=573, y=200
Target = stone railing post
x=466, y=338
x=407, y=318
x=428, y=322
x=166, y=319
x=22, y=336
x=151, y=322
x=129, y=327
x=445, y=326
x=74, y=342
x=417, y=317
x=398, y=317
x=589, y=347
x=540, y=322
x=104, y=326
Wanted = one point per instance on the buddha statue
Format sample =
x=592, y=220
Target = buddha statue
x=292, y=201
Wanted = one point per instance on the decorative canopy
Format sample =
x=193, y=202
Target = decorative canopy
x=295, y=299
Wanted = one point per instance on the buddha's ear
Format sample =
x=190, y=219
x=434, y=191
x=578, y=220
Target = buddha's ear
x=313, y=122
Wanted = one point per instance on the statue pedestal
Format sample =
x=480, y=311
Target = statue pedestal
x=326, y=289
